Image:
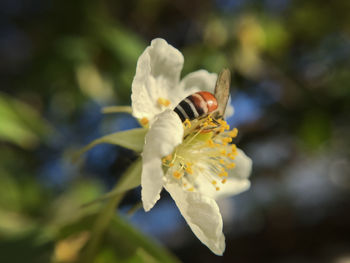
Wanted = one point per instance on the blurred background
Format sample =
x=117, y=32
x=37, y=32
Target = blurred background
x=62, y=61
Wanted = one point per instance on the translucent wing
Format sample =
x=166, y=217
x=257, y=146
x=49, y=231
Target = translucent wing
x=222, y=92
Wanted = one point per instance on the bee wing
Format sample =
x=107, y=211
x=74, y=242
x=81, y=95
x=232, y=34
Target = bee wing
x=222, y=92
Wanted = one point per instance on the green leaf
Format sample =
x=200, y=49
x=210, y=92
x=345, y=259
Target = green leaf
x=131, y=179
x=20, y=124
x=122, y=242
x=136, y=244
x=131, y=139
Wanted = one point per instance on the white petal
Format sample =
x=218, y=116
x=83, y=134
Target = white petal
x=202, y=215
x=243, y=166
x=236, y=183
x=200, y=80
x=157, y=73
x=164, y=135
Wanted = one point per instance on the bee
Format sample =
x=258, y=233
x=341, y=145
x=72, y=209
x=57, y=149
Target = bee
x=196, y=105
x=202, y=103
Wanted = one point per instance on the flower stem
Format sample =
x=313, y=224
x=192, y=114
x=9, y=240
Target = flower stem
x=99, y=228
x=107, y=213
x=117, y=109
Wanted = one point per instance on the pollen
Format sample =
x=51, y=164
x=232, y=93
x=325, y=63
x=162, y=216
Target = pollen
x=177, y=175
x=189, y=170
x=230, y=165
x=205, y=151
x=223, y=152
x=231, y=156
x=144, y=121
x=211, y=143
x=234, y=148
x=168, y=157
x=223, y=174
x=226, y=139
x=233, y=133
x=187, y=123
x=163, y=102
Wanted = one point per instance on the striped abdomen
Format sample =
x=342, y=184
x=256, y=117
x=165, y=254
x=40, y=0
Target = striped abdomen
x=196, y=105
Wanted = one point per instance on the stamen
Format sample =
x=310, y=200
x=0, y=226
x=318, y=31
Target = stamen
x=163, y=102
x=233, y=133
x=226, y=140
x=187, y=123
x=231, y=156
x=204, y=151
x=144, y=121
x=189, y=170
x=223, y=174
x=234, y=148
x=177, y=175
x=210, y=143
x=230, y=165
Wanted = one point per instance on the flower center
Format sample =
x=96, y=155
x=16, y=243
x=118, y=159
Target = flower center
x=206, y=153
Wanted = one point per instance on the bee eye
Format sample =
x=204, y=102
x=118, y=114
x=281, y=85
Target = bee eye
x=196, y=105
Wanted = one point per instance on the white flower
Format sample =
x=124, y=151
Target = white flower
x=194, y=161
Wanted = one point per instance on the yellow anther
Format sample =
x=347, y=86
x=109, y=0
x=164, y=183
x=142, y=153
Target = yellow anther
x=234, y=148
x=210, y=143
x=226, y=139
x=231, y=156
x=191, y=189
x=185, y=184
x=171, y=164
x=230, y=165
x=233, y=133
x=205, y=124
x=222, y=161
x=223, y=181
x=221, y=121
x=217, y=188
x=168, y=157
x=163, y=102
x=144, y=121
x=223, y=152
x=223, y=174
x=187, y=123
x=221, y=129
x=177, y=175
x=189, y=170
x=227, y=127
x=213, y=182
